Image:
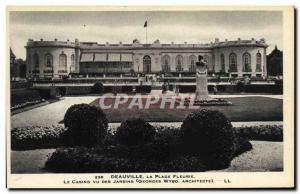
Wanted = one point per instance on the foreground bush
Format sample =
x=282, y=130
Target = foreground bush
x=97, y=88
x=83, y=160
x=86, y=124
x=135, y=132
x=209, y=135
x=36, y=137
x=163, y=154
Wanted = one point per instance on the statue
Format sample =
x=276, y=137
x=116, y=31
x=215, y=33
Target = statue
x=201, y=80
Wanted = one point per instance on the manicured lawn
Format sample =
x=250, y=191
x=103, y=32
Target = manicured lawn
x=243, y=109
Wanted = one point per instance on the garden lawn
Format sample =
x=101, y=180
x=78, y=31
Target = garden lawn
x=243, y=109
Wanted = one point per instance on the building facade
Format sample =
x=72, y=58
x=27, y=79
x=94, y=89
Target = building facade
x=54, y=59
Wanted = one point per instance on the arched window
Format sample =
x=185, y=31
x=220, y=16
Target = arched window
x=166, y=63
x=192, y=63
x=246, y=62
x=63, y=61
x=258, y=62
x=232, y=63
x=147, y=64
x=48, y=60
x=36, y=60
x=72, y=62
x=179, y=63
x=222, y=60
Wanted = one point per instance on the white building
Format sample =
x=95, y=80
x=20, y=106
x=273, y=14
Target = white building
x=46, y=59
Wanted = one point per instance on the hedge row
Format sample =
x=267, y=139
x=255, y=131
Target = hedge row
x=22, y=97
x=261, y=132
x=273, y=89
x=37, y=137
x=40, y=137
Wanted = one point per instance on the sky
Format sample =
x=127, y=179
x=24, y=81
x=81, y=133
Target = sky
x=167, y=26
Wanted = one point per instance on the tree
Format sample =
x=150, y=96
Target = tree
x=275, y=62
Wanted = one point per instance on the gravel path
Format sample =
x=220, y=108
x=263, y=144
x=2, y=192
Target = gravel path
x=50, y=114
x=265, y=156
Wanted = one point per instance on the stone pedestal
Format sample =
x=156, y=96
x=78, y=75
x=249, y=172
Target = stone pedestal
x=201, y=82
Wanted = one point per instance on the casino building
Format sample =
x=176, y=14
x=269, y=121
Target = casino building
x=57, y=59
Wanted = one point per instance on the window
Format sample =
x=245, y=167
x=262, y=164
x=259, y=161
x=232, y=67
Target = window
x=36, y=61
x=166, y=63
x=246, y=62
x=63, y=60
x=222, y=60
x=232, y=63
x=192, y=59
x=72, y=62
x=147, y=64
x=48, y=60
x=179, y=63
x=258, y=62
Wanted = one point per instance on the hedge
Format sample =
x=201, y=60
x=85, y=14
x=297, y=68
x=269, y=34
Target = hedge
x=261, y=132
x=22, y=98
x=143, y=89
x=37, y=137
x=25, y=138
x=163, y=154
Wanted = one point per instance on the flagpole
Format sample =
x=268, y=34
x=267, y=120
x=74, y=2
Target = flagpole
x=147, y=34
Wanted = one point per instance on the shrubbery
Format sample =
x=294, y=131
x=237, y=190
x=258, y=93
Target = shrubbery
x=22, y=98
x=36, y=137
x=84, y=160
x=261, y=132
x=209, y=135
x=135, y=132
x=25, y=138
x=143, y=89
x=97, y=88
x=86, y=124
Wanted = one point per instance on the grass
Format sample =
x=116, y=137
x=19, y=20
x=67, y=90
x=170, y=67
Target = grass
x=243, y=109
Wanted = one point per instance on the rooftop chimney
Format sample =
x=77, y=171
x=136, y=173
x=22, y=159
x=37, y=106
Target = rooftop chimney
x=216, y=40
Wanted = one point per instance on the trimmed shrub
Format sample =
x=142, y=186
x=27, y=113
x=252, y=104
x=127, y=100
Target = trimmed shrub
x=209, y=135
x=97, y=88
x=36, y=137
x=134, y=132
x=163, y=154
x=240, y=86
x=86, y=124
x=241, y=145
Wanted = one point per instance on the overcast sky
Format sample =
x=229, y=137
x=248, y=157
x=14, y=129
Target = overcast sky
x=113, y=27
